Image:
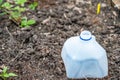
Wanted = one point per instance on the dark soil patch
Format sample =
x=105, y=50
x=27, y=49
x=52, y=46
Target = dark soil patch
x=35, y=53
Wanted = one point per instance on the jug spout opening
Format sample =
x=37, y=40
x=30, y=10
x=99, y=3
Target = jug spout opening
x=86, y=35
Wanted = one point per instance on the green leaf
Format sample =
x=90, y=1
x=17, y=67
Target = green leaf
x=20, y=2
x=31, y=21
x=24, y=23
x=15, y=14
x=19, y=9
x=5, y=75
x=24, y=18
x=7, y=5
x=12, y=74
x=1, y=1
x=33, y=5
x=4, y=69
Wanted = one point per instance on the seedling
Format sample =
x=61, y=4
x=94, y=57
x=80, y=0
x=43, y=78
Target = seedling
x=5, y=75
x=26, y=23
x=1, y=1
x=33, y=5
x=20, y=2
x=15, y=11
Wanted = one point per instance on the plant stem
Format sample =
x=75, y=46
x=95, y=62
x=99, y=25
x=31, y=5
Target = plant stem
x=4, y=78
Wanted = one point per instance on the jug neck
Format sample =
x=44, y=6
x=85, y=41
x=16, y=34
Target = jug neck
x=85, y=39
x=85, y=35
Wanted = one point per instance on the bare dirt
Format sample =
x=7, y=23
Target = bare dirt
x=35, y=53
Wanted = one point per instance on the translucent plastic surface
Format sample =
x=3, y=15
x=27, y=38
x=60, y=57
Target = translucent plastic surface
x=84, y=57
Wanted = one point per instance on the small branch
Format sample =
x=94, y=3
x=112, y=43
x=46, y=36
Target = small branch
x=9, y=32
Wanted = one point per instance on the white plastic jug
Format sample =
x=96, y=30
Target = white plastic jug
x=84, y=58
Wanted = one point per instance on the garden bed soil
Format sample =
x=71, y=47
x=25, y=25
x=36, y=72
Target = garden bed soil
x=34, y=53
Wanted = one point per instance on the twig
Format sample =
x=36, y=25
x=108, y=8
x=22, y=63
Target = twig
x=9, y=32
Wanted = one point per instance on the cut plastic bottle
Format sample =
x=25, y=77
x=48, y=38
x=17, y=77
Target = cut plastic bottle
x=83, y=57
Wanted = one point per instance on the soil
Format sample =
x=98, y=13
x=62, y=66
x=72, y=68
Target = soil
x=34, y=53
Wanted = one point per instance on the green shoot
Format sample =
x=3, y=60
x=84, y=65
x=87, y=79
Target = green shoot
x=15, y=11
x=26, y=22
x=33, y=5
x=4, y=75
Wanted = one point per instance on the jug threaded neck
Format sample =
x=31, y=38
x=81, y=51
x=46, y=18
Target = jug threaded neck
x=86, y=35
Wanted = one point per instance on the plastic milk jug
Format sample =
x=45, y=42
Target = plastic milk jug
x=83, y=57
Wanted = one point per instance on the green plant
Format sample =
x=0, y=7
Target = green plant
x=15, y=11
x=33, y=5
x=1, y=1
x=26, y=22
x=20, y=2
x=4, y=75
